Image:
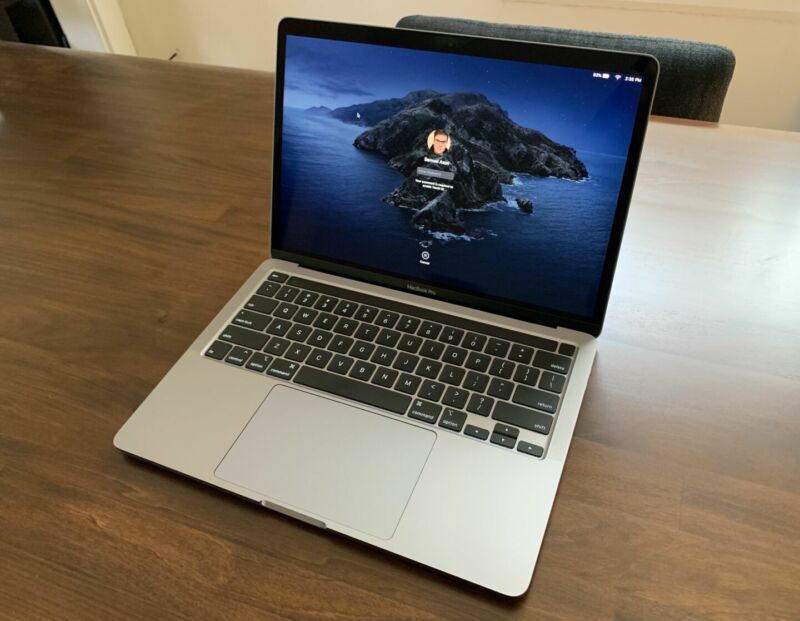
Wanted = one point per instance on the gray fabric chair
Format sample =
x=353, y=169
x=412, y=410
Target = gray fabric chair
x=694, y=76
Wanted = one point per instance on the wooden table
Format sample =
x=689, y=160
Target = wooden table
x=133, y=203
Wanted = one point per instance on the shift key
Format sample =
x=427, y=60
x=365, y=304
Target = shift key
x=523, y=417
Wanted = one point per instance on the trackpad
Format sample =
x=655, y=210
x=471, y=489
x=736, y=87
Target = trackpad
x=335, y=461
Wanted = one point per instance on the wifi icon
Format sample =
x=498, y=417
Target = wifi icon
x=617, y=77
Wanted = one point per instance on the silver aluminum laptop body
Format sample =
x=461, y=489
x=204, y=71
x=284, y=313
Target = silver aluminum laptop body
x=458, y=504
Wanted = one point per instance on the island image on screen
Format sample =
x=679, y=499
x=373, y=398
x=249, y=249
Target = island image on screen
x=494, y=177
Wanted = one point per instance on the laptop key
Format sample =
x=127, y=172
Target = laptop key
x=320, y=338
x=268, y=289
x=287, y=293
x=501, y=440
x=261, y=304
x=476, y=432
x=523, y=417
x=479, y=404
x=530, y=449
x=451, y=375
x=474, y=341
x=279, y=327
x=345, y=326
x=353, y=389
x=285, y=369
x=477, y=362
x=408, y=324
x=278, y=276
x=496, y=347
x=551, y=362
x=552, y=382
x=366, y=332
x=259, y=362
x=218, y=350
x=366, y=313
x=340, y=364
x=476, y=381
x=385, y=377
x=297, y=352
x=454, y=355
x=424, y=411
x=299, y=333
x=306, y=298
x=345, y=308
x=429, y=330
x=326, y=303
x=452, y=419
x=406, y=362
x=526, y=375
x=277, y=346
x=501, y=368
x=384, y=355
x=306, y=316
x=238, y=356
x=326, y=321
x=362, y=350
x=243, y=337
x=362, y=370
x=387, y=319
x=285, y=310
x=500, y=388
x=407, y=383
x=506, y=430
x=451, y=336
x=431, y=349
x=429, y=368
x=388, y=337
x=521, y=353
x=409, y=343
x=565, y=349
x=455, y=397
x=319, y=358
x=341, y=344
x=534, y=398
x=432, y=391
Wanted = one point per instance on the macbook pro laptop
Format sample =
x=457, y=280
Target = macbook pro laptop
x=408, y=368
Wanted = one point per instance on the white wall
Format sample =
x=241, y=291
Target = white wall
x=94, y=25
x=78, y=24
x=764, y=34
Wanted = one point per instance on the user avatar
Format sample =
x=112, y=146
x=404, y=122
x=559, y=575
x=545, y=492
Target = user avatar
x=438, y=141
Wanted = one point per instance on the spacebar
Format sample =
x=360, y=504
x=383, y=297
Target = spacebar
x=353, y=389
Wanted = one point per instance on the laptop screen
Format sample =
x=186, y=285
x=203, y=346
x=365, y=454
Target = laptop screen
x=498, y=178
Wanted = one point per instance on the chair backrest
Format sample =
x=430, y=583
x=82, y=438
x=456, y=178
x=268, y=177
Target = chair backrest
x=694, y=76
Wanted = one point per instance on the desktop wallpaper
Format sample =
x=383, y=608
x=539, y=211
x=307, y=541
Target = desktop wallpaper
x=488, y=176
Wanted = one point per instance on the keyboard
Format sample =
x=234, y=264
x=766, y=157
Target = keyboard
x=484, y=382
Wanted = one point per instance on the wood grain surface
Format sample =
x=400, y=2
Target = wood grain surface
x=134, y=202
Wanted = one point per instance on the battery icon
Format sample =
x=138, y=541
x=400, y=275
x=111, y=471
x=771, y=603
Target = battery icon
x=606, y=76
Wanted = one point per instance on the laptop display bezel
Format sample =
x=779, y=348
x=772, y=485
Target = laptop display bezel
x=591, y=59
